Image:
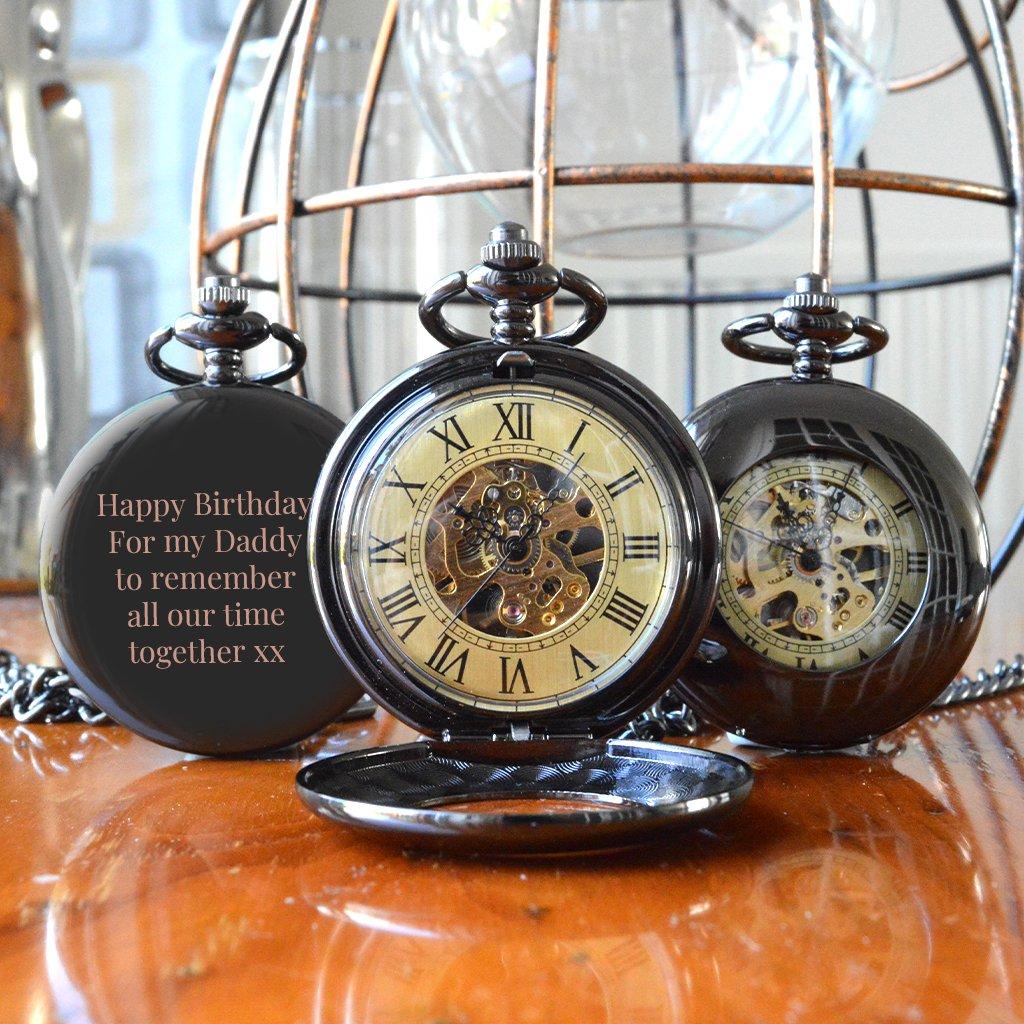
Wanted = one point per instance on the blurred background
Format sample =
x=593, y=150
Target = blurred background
x=453, y=100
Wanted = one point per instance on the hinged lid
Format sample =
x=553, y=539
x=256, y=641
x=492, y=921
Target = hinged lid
x=474, y=561
x=517, y=731
x=615, y=795
x=516, y=740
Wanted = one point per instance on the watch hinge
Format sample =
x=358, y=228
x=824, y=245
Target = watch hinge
x=516, y=732
x=520, y=731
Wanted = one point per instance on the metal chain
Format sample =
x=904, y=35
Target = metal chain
x=1002, y=679
x=37, y=693
x=671, y=716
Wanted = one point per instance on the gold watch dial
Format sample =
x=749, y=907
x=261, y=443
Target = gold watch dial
x=826, y=562
x=515, y=547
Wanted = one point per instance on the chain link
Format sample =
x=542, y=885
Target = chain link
x=1002, y=679
x=37, y=693
x=671, y=716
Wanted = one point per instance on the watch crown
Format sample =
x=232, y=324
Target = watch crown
x=812, y=293
x=223, y=296
x=510, y=248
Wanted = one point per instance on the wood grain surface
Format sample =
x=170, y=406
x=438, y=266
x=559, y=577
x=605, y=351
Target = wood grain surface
x=138, y=885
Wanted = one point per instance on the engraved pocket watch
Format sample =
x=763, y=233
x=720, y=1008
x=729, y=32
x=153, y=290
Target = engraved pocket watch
x=173, y=560
x=855, y=557
x=515, y=547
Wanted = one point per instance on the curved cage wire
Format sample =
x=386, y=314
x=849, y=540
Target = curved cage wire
x=289, y=67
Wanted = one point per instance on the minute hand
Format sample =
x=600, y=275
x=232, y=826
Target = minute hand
x=777, y=543
x=842, y=490
x=550, y=498
x=761, y=536
x=472, y=597
x=529, y=535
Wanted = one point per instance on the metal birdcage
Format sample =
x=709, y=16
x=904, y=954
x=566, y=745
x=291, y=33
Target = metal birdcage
x=289, y=67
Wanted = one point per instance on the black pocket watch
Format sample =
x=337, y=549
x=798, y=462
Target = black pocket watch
x=173, y=562
x=515, y=547
x=855, y=558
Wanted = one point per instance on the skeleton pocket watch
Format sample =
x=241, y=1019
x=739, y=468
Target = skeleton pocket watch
x=515, y=547
x=855, y=558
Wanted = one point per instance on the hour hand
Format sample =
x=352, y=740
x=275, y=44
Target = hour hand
x=492, y=529
x=472, y=514
x=787, y=510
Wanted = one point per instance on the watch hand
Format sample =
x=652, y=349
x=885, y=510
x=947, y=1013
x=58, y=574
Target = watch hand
x=767, y=540
x=787, y=510
x=778, y=543
x=528, y=535
x=491, y=528
x=551, y=498
x=467, y=513
x=841, y=489
x=472, y=597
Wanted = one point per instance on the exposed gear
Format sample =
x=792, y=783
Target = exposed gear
x=809, y=568
x=536, y=534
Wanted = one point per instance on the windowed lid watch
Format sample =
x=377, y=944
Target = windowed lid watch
x=855, y=557
x=515, y=548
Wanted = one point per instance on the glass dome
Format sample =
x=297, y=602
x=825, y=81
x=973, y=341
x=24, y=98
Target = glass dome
x=646, y=81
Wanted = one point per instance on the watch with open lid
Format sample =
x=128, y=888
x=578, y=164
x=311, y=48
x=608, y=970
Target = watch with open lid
x=855, y=558
x=515, y=547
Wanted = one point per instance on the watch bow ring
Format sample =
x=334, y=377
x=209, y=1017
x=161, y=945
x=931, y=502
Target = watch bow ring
x=811, y=321
x=222, y=331
x=512, y=278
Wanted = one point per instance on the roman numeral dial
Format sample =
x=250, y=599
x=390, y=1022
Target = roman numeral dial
x=646, y=545
x=625, y=482
x=518, y=547
x=393, y=550
x=625, y=611
x=901, y=615
x=451, y=434
x=449, y=657
x=516, y=421
x=826, y=561
x=400, y=610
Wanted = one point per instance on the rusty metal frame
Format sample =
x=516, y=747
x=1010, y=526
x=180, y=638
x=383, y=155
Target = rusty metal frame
x=264, y=102
x=209, y=135
x=611, y=174
x=916, y=79
x=297, y=42
x=823, y=163
x=542, y=179
x=357, y=162
x=289, y=163
x=1002, y=398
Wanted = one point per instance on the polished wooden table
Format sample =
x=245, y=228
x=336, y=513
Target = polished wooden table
x=141, y=886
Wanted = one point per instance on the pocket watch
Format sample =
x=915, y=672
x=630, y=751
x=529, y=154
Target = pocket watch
x=855, y=557
x=515, y=547
x=173, y=560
